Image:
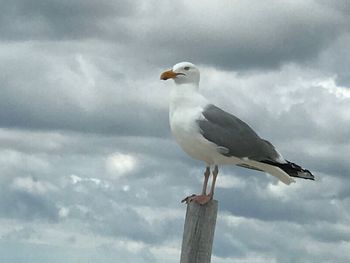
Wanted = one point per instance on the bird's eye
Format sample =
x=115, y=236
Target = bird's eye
x=186, y=68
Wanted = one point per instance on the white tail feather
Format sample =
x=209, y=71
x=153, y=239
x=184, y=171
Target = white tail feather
x=270, y=169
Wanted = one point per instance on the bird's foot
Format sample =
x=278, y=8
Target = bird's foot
x=200, y=199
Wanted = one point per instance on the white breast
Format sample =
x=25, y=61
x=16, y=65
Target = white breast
x=186, y=107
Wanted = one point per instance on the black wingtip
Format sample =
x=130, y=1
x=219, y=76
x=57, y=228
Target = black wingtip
x=293, y=170
x=305, y=174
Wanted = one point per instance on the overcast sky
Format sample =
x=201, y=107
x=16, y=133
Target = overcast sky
x=89, y=171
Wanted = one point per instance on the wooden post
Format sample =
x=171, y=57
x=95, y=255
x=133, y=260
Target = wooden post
x=198, y=233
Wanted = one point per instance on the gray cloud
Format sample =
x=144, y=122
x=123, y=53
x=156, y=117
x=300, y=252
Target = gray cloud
x=114, y=207
x=245, y=35
x=61, y=19
x=53, y=100
x=88, y=167
x=247, y=235
x=332, y=60
x=27, y=206
x=71, y=254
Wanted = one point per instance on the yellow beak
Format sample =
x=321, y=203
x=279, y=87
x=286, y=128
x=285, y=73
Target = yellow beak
x=168, y=75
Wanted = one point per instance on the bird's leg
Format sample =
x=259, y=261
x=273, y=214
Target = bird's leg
x=215, y=175
x=206, y=177
x=203, y=198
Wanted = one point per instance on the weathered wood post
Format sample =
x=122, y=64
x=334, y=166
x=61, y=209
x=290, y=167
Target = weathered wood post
x=198, y=233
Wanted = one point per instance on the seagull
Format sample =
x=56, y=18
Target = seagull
x=210, y=134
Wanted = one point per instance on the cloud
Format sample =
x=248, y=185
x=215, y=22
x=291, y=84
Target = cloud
x=60, y=19
x=72, y=93
x=247, y=35
x=242, y=236
x=63, y=212
x=88, y=167
x=331, y=60
x=34, y=252
x=32, y=186
x=27, y=206
x=119, y=164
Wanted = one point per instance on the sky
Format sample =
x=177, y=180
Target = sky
x=89, y=171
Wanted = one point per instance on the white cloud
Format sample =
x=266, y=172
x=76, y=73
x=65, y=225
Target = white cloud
x=331, y=86
x=126, y=188
x=75, y=179
x=32, y=163
x=119, y=164
x=63, y=212
x=30, y=185
x=229, y=181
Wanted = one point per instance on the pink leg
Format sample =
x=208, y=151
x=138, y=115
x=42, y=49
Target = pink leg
x=206, y=177
x=204, y=198
x=215, y=175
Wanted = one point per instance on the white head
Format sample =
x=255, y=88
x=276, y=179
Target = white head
x=182, y=73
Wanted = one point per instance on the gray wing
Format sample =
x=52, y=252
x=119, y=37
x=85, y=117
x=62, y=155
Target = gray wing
x=233, y=136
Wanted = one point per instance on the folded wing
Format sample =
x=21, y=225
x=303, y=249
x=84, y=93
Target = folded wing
x=233, y=136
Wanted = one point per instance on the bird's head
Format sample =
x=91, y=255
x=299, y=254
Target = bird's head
x=182, y=73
